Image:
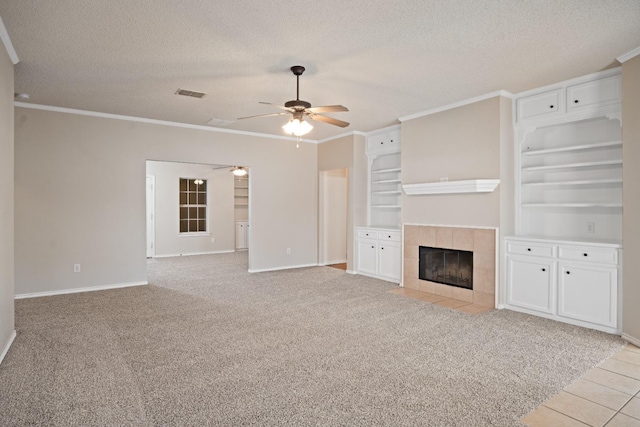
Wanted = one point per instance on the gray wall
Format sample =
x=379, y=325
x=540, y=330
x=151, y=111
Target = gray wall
x=169, y=242
x=80, y=196
x=631, y=198
x=6, y=200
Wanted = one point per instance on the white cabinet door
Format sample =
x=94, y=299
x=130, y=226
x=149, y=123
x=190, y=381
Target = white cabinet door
x=241, y=234
x=540, y=105
x=367, y=256
x=389, y=261
x=603, y=91
x=588, y=293
x=531, y=283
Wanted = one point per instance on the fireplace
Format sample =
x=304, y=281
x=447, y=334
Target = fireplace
x=446, y=266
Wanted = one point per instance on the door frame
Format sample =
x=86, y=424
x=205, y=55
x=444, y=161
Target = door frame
x=150, y=215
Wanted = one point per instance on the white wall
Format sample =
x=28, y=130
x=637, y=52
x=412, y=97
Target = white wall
x=80, y=196
x=333, y=216
x=6, y=202
x=220, y=215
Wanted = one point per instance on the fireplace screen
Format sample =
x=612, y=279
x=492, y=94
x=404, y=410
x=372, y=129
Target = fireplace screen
x=447, y=266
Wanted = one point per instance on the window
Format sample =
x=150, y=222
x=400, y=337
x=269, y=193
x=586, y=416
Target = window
x=193, y=205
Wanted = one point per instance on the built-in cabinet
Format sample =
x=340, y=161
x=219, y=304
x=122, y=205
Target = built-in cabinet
x=574, y=282
x=378, y=253
x=241, y=197
x=564, y=261
x=242, y=235
x=378, y=246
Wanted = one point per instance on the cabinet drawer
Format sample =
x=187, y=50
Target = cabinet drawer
x=603, y=91
x=367, y=234
x=525, y=249
x=602, y=256
x=391, y=236
x=388, y=141
x=539, y=105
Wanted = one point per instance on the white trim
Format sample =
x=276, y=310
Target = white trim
x=154, y=121
x=351, y=272
x=78, y=290
x=384, y=129
x=4, y=35
x=337, y=261
x=629, y=55
x=6, y=347
x=290, y=267
x=626, y=337
x=342, y=135
x=450, y=226
x=451, y=187
x=462, y=103
x=195, y=253
x=194, y=234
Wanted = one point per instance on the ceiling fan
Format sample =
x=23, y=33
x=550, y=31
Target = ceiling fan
x=299, y=109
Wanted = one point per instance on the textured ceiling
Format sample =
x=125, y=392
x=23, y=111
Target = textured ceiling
x=381, y=59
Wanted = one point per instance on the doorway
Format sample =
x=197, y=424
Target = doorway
x=332, y=216
x=151, y=224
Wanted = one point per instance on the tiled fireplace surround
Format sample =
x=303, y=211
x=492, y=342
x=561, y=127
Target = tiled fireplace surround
x=481, y=241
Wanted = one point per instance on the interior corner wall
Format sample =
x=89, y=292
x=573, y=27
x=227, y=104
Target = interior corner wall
x=458, y=144
x=341, y=153
x=7, y=311
x=631, y=199
x=220, y=209
x=80, y=196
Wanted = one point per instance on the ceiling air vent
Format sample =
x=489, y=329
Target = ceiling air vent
x=190, y=93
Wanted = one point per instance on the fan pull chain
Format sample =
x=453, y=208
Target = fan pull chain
x=298, y=143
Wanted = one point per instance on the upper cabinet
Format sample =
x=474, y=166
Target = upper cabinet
x=383, y=152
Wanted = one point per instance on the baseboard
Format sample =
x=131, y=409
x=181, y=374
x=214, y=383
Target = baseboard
x=290, y=267
x=78, y=290
x=6, y=347
x=195, y=253
x=351, y=272
x=337, y=261
x=632, y=340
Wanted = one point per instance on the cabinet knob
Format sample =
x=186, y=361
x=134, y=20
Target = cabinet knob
x=382, y=249
x=544, y=269
x=372, y=247
x=550, y=106
x=568, y=272
x=529, y=249
x=382, y=143
x=585, y=254
x=392, y=140
x=389, y=236
x=576, y=101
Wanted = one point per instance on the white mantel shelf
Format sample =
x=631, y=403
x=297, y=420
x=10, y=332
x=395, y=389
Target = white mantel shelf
x=451, y=187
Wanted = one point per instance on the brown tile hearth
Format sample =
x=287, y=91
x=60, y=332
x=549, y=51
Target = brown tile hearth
x=481, y=241
x=458, y=305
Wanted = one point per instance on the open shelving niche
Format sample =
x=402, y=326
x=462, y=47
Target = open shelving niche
x=241, y=197
x=570, y=177
x=385, y=190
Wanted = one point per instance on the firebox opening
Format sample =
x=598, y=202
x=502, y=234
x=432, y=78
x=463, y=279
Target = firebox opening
x=446, y=266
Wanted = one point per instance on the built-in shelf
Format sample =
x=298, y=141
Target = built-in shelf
x=607, y=144
x=386, y=192
x=385, y=206
x=241, y=188
x=387, y=181
x=241, y=205
x=241, y=197
x=573, y=205
x=574, y=165
x=451, y=187
x=581, y=182
x=386, y=170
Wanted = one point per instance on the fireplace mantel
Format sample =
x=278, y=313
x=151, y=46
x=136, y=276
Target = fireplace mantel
x=451, y=187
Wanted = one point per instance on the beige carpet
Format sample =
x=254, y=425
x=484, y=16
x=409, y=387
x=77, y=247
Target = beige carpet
x=209, y=344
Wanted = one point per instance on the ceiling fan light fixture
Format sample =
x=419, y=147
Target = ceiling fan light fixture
x=297, y=127
x=238, y=171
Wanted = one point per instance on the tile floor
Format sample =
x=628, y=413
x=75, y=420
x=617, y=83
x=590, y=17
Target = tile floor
x=608, y=395
x=463, y=306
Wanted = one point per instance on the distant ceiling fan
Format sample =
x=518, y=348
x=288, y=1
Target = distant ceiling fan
x=299, y=108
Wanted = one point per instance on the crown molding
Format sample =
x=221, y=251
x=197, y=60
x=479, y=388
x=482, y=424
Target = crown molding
x=342, y=135
x=629, y=55
x=575, y=80
x=462, y=103
x=4, y=35
x=154, y=121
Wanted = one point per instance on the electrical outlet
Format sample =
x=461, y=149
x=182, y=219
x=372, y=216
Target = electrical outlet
x=288, y=251
x=591, y=227
x=76, y=268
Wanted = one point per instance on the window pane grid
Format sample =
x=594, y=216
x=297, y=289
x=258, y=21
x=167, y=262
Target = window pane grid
x=193, y=205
